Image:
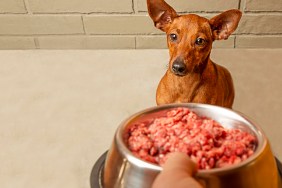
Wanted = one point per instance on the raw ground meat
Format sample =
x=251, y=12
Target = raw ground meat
x=204, y=140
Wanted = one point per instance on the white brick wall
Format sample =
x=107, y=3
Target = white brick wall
x=106, y=24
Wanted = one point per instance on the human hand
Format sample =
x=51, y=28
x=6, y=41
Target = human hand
x=178, y=172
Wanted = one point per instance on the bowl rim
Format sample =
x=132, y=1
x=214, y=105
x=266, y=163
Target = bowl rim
x=258, y=132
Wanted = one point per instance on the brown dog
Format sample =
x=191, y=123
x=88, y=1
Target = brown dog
x=192, y=76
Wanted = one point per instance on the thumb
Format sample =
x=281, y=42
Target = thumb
x=177, y=172
x=180, y=163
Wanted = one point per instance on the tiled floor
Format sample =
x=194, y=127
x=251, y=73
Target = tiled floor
x=59, y=109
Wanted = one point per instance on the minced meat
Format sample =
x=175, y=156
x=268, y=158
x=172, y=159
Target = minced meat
x=204, y=140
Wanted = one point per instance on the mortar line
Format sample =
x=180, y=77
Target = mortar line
x=133, y=9
x=135, y=41
x=201, y=13
x=129, y=35
x=262, y=12
x=78, y=34
x=13, y=13
x=36, y=42
x=83, y=13
x=239, y=4
x=242, y=5
x=83, y=26
x=27, y=7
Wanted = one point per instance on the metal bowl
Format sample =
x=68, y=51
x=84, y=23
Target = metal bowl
x=123, y=170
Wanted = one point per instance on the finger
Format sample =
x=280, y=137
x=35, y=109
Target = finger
x=181, y=163
x=177, y=172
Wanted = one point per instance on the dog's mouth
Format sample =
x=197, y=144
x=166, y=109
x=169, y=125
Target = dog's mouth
x=179, y=74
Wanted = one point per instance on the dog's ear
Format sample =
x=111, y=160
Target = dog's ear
x=161, y=13
x=224, y=24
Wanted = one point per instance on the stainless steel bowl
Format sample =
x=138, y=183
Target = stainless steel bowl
x=123, y=170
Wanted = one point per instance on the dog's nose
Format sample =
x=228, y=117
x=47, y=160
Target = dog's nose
x=179, y=67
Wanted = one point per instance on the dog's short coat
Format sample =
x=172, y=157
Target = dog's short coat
x=192, y=76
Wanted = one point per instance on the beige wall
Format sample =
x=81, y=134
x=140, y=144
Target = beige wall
x=102, y=24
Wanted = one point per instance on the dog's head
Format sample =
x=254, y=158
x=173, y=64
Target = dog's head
x=190, y=37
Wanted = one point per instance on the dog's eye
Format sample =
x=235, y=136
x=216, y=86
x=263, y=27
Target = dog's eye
x=173, y=37
x=200, y=41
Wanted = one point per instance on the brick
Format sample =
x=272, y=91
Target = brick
x=17, y=43
x=262, y=5
x=195, y=5
x=119, y=24
x=78, y=6
x=151, y=42
x=123, y=24
x=40, y=24
x=260, y=24
x=259, y=41
x=12, y=6
x=86, y=42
